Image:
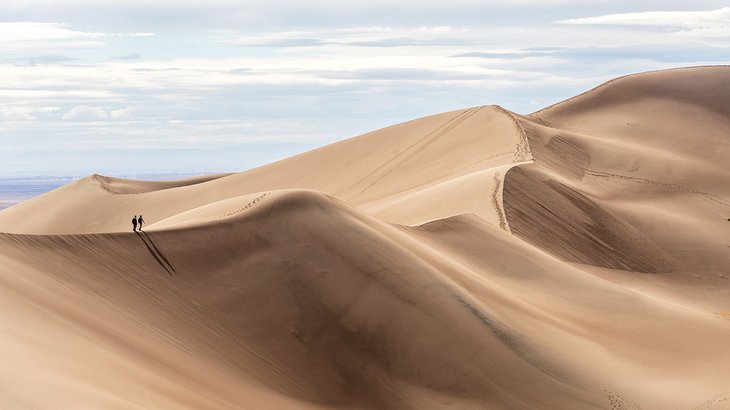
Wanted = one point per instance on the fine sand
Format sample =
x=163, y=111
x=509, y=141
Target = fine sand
x=574, y=258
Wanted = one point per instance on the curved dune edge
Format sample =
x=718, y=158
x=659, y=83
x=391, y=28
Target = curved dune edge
x=210, y=213
x=625, y=167
x=570, y=225
x=393, y=173
x=608, y=83
x=467, y=260
x=122, y=186
x=304, y=301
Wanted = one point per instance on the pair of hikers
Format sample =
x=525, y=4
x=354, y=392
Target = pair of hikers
x=136, y=221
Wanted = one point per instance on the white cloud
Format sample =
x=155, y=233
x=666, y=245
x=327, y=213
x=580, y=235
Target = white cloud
x=85, y=113
x=310, y=72
x=20, y=36
x=435, y=39
x=660, y=18
x=25, y=113
x=708, y=24
x=371, y=36
x=130, y=56
x=129, y=34
x=28, y=31
x=122, y=113
x=16, y=114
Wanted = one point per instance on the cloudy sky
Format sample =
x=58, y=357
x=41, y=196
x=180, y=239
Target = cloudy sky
x=129, y=87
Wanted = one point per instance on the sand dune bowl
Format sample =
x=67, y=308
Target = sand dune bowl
x=574, y=258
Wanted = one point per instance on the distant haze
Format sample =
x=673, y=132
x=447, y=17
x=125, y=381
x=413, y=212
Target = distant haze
x=18, y=189
x=193, y=86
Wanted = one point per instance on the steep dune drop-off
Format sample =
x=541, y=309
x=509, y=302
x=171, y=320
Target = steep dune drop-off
x=301, y=300
x=471, y=259
x=633, y=175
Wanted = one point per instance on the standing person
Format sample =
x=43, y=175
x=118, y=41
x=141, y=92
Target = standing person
x=134, y=224
x=140, y=221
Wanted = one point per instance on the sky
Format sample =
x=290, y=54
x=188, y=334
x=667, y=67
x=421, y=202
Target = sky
x=134, y=87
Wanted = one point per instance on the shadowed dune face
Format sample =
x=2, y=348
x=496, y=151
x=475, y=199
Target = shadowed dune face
x=322, y=322
x=468, y=260
x=650, y=150
x=567, y=223
x=441, y=318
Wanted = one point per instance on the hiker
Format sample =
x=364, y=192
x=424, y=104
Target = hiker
x=134, y=224
x=140, y=221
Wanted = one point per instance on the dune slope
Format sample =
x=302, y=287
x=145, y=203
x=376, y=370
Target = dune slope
x=633, y=176
x=384, y=172
x=353, y=312
x=468, y=260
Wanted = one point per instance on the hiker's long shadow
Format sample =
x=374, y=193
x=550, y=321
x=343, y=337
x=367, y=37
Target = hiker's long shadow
x=155, y=252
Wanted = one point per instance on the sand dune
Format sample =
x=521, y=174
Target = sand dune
x=397, y=165
x=122, y=186
x=577, y=257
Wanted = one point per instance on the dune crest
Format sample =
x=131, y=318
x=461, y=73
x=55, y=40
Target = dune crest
x=122, y=186
x=383, y=172
x=576, y=257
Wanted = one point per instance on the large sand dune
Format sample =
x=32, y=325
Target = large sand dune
x=574, y=258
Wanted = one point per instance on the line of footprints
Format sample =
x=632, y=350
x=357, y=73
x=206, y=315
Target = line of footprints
x=248, y=205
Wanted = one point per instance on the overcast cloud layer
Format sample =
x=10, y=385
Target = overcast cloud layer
x=130, y=87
